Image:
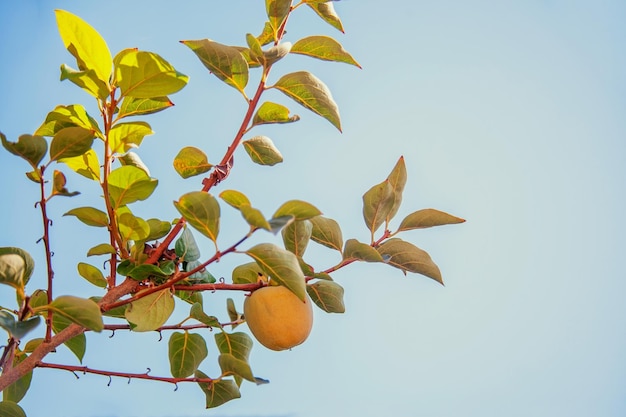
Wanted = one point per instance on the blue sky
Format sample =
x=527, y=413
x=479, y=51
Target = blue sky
x=509, y=114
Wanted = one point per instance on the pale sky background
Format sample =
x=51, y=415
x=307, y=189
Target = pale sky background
x=510, y=114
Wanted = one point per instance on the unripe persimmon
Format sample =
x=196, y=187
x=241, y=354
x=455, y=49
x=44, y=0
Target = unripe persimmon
x=277, y=318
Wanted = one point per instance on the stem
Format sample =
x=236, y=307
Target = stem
x=48, y=253
x=145, y=375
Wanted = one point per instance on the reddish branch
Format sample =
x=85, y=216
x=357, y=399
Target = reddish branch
x=110, y=374
x=46, y=242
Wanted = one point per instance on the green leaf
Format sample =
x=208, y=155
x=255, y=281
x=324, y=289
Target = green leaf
x=70, y=142
x=126, y=136
x=128, y=184
x=323, y=47
x=77, y=344
x=277, y=223
x=357, y=250
x=33, y=344
x=61, y=117
x=11, y=409
x=300, y=210
x=235, y=198
x=378, y=202
x=87, y=80
x=327, y=295
x=144, y=74
x=327, y=232
x=150, y=312
x=262, y=151
x=85, y=44
x=86, y=164
x=312, y=93
x=202, y=211
x=255, y=51
x=269, y=113
x=17, y=329
x=191, y=161
x=422, y=219
x=28, y=147
x=267, y=35
x=17, y=390
x=197, y=313
x=92, y=274
x=407, y=257
x=326, y=11
x=248, y=273
x=218, y=392
x=158, y=228
x=224, y=61
x=81, y=311
x=397, y=180
x=233, y=366
x=132, y=227
x=101, y=249
x=277, y=11
x=186, y=247
x=139, y=106
x=90, y=216
x=186, y=351
x=296, y=236
x=281, y=266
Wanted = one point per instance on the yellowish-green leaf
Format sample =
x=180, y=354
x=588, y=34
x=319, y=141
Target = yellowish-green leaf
x=235, y=198
x=422, y=219
x=85, y=44
x=158, y=228
x=202, y=211
x=323, y=47
x=296, y=236
x=11, y=409
x=262, y=151
x=132, y=227
x=135, y=106
x=92, y=274
x=90, y=216
x=327, y=232
x=326, y=10
x=186, y=351
x=397, y=180
x=28, y=147
x=17, y=390
x=409, y=258
x=87, y=80
x=225, y=62
x=101, y=249
x=269, y=113
x=248, y=273
x=128, y=184
x=197, y=313
x=70, y=142
x=86, y=164
x=218, y=392
x=310, y=92
x=150, y=312
x=281, y=266
x=73, y=115
x=300, y=210
x=144, y=74
x=77, y=344
x=277, y=11
x=378, y=202
x=233, y=366
x=191, y=161
x=254, y=217
x=81, y=311
x=357, y=250
x=327, y=295
x=126, y=136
